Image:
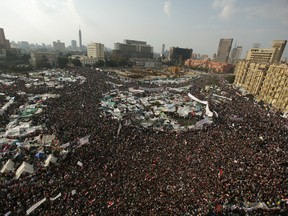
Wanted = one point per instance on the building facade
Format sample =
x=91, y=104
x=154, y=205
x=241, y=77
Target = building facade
x=180, y=54
x=224, y=49
x=279, y=46
x=43, y=59
x=95, y=50
x=133, y=49
x=4, y=44
x=261, y=55
x=267, y=82
x=74, y=45
x=236, y=54
x=59, y=46
x=267, y=55
x=219, y=67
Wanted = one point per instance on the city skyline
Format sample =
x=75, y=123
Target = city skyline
x=187, y=24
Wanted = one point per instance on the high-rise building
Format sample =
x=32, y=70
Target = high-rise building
x=73, y=45
x=80, y=40
x=268, y=55
x=279, y=46
x=95, y=50
x=133, y=49
x=2, y=38
x=236, y=53
x=266, y=81
x=59, y=46
x=256, y=45
x=261, y=55
x=163, y=50
x=4, y=44
x=224, y=49
x=180, y=54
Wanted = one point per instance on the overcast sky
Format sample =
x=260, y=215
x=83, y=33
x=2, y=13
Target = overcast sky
x=196, y=24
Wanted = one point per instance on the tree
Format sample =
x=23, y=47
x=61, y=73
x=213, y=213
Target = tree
x=62, y=62
x=99, y=63
x=76, y=62
x=43, y=62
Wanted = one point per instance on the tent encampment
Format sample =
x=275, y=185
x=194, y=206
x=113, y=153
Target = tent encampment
x=25, y=167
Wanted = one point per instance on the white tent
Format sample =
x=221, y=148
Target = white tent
x=9, y=166
x=208, y=112
x=49, y=159
x=25, y=167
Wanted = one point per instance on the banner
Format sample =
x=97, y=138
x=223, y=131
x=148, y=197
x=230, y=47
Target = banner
x=36, y=205
x=56, y=197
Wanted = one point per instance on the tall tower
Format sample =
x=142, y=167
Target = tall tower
x=224, y=49
x=279, y=46
x=163, y=49
x=80, y=40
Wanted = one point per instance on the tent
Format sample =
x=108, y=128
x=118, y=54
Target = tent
x=25, y=167
x=9, y=166
x=39, y=155
x=49, y=159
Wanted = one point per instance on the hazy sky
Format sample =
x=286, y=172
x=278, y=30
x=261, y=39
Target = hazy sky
x=196, y=24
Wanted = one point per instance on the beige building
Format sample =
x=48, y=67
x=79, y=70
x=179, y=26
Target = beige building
x=279, y=46
x=269, y=55
x=95, y=50
x=267, y=82
x=261, y=55
x=274, y=90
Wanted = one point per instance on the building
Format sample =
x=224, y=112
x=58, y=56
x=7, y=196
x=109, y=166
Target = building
x=218, y=67
x=4, y=44
x=261, y=55
x=279, y=46
x=80, y=40
x=43, y=59
x=274, y=90
x=224, y=50
x=180, y=54
x=267, y=55
x=73, y=45
x=88, y=61
x=236, y=54
x=267, y=82
x=95, y=50
x=163, y=50
x=59, y=46
x=133, y=49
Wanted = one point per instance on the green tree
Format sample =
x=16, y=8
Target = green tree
x=62, y=62
x=76, y=62
x=43, y=62
x=99, y=63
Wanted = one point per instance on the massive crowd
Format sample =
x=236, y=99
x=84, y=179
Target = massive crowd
x=135, y=171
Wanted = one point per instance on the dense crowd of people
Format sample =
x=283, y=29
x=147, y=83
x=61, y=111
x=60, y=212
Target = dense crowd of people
x=135, y=171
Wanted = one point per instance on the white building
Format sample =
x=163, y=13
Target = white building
x=95, y=50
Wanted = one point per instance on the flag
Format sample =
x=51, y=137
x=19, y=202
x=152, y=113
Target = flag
x=220, y=173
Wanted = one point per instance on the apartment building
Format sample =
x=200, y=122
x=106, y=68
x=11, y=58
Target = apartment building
x=95, y=50
x=267, y=82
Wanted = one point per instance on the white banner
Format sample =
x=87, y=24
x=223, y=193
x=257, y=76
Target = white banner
x=56, y=197
x=36, y=205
